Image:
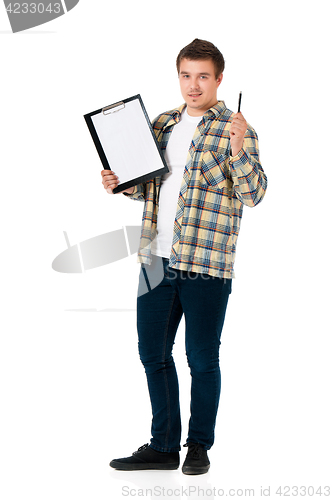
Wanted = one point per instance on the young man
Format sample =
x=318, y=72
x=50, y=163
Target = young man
x=191, y=221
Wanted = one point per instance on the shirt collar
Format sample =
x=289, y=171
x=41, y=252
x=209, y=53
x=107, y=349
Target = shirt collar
x=211, y=113
x=176, y=113
x=215, y=111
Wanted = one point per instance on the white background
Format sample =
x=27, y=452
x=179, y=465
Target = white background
x=73, y=391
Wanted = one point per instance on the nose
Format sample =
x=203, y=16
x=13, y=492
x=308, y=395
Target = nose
x=194, y=83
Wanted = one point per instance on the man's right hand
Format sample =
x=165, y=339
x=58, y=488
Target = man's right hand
x=110, y=182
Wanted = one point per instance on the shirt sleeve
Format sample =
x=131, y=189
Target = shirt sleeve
x=138, y=193
x=249, y=179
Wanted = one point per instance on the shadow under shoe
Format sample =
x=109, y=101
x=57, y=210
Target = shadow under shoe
x=147, y=458
x=196, y=461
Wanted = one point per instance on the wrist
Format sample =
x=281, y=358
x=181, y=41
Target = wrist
x=235, y=149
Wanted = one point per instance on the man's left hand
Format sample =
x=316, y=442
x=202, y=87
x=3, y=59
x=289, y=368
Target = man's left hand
x=237, y=131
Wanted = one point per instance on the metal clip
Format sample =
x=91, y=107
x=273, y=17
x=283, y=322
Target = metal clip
x=113, y=108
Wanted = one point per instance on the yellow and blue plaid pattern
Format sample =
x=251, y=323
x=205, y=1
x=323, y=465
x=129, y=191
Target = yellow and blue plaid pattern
x=214, y=188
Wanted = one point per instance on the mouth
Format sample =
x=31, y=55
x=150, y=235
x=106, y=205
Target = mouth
x=195, y=95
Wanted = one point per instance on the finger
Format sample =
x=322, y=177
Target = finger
x=110, y=188
x=104, y=172
x=238, y=130
x=107, y=172
x=239, y=123
x=238, y=117
x=111, y=184
x=239, y=126
x=110, y=178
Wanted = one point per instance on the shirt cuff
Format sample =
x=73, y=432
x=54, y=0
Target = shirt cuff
x=137, y=194
x=240, y=159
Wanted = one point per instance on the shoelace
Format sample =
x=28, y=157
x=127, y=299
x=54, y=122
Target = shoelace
x=195, y=450
x=141, y=448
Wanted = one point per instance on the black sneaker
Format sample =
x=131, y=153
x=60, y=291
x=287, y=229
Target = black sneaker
x=196, y=461
x=147, y=458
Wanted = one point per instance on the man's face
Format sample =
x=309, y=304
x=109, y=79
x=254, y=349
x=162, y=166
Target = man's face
x=198, y=85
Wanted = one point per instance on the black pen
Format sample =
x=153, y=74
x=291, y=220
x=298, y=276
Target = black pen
x=239, y=107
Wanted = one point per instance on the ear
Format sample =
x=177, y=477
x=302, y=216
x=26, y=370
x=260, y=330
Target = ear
x=219, y=79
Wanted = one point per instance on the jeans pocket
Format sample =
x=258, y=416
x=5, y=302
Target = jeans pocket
x=150, y=275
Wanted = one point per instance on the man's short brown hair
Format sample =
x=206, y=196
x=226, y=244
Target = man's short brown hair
x=202, y=50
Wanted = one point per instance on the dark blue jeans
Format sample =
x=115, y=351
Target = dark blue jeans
x=164, y=295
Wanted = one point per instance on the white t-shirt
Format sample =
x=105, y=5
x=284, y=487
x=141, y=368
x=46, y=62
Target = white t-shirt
x=176, y=157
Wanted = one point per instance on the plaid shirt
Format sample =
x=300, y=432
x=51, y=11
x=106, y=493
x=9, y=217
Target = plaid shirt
x=214, y=188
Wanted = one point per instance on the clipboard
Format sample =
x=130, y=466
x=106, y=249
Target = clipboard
x=126, y=143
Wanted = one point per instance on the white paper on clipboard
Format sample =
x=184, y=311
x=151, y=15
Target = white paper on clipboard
x=127, y=142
